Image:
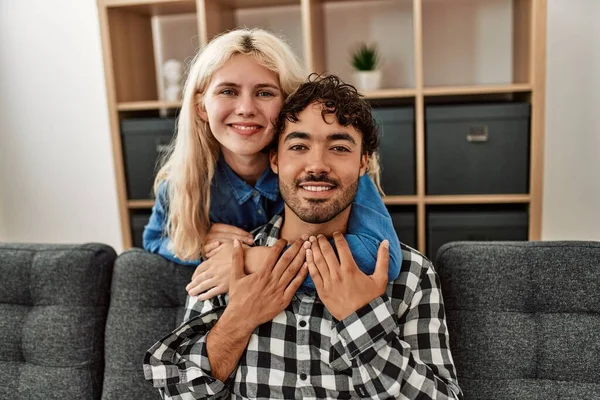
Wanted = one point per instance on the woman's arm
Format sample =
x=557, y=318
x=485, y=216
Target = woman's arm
x=369, y=224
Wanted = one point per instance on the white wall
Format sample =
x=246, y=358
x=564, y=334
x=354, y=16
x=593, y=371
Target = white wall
x=56, y=169
x=571, y=203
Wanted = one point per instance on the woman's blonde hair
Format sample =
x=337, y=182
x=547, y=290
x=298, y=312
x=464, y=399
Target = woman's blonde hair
x=189, y=166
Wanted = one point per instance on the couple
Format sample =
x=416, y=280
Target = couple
x=357, y=335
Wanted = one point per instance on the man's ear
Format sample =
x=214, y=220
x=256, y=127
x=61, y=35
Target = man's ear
x=274, y=165
x=364, y=162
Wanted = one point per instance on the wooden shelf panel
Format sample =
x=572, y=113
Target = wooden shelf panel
x=140, y=204
x=258, y=3
x=153, y=7
x=477, y=89
x=478, y=199
x=400, y=200
x=147, y=105
x=390, y=93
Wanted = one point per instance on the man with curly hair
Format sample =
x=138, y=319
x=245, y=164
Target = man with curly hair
x=359, y=334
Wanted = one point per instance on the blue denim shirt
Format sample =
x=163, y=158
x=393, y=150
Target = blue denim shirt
x=235, y=202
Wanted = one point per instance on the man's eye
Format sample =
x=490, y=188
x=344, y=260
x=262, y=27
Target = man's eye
x=297, y=147
x=341, y=149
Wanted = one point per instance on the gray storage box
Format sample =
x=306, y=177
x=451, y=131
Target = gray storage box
x=405, y=224
x=450, y=226
x=397, y=149
x=477, y=149
x=144, y=139
x=138, y=222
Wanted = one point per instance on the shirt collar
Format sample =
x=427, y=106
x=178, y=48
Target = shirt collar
x=267, y=185
x=268, y=234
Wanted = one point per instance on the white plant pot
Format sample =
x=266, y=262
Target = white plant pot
x=367, y=80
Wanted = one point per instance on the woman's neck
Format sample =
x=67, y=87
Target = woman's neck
x=293, y=227
x=249, y=168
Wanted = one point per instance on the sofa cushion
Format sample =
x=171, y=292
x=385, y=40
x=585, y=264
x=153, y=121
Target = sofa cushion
x=524, y=318
x=53, y=306
x=147, y=302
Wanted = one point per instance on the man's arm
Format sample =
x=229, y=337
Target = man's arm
x=200, y=357
x=409, y=358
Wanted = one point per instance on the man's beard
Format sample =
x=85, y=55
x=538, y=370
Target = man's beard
x=317, y=211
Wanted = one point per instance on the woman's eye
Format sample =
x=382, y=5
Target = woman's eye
x=227, y=91
x=265, y=94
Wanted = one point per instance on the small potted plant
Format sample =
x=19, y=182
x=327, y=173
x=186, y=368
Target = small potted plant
x=365, y=61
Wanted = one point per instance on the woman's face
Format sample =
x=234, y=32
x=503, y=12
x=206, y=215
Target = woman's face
x=241, y=104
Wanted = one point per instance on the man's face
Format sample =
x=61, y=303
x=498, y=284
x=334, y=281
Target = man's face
x=319, y=164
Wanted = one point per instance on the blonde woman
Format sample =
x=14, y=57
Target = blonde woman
x=216, y=184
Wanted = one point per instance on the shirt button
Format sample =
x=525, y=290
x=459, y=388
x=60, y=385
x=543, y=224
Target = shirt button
x=302, y=324
x=260, y=212
x=303, y=377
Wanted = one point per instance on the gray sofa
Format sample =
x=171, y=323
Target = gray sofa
x=75, y=321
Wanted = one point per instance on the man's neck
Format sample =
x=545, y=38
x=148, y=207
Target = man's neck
x=293, y=227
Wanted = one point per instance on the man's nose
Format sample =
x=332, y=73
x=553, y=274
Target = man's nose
x=316, y=162
x=246, y=105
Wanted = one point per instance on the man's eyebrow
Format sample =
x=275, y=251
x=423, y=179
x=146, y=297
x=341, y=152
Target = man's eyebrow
x=341, y=136
x=296, y=135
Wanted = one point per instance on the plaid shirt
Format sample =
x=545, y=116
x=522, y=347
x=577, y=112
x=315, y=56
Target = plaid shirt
x=395, y=346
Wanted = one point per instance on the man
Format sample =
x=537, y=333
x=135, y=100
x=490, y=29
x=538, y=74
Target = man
x=357, y=335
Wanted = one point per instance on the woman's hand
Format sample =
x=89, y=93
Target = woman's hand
x=211, y=278
x=219, y=234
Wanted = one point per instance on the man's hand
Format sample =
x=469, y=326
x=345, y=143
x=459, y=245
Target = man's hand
x=341, y=285
x=257, y=298
x=220, y=234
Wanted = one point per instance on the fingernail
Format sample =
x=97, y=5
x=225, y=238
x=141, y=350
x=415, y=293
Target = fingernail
x=312, y=238
x=320, y=236
x=309, y=252
x=306, y=245
x=386, y=244
x=305, y=237
x=236, y=243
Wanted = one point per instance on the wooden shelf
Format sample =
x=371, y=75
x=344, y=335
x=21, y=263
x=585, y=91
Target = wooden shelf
x=477, y=89
x=390, y=93
x=258, y=3
x=140, y=204
x=478, y=199
x=147, y=105
x=400, y=200
x=153, y=7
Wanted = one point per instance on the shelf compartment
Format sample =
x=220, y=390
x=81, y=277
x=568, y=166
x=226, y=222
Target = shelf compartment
x=137, y=33
x=281, y=17
x=479, y=199
x=473, y=42
x=153, y=7
x=335, y=33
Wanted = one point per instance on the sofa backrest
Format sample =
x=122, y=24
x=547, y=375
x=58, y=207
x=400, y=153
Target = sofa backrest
x=524, y=318
x=53, y=306
x=147, y=302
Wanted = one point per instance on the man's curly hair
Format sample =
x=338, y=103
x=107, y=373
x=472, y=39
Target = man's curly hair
x=336, y=97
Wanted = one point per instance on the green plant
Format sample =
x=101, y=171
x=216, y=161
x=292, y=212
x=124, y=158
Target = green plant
x=365, y=57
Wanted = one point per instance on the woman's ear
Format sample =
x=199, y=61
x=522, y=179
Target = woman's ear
x=274, y=165
x=202, y=112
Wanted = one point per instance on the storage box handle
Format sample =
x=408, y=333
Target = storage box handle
x=478, y=134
